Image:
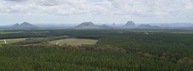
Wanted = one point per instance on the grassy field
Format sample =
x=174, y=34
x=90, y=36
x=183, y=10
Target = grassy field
x=74, y=41
x=2, y=32
x=11, y=40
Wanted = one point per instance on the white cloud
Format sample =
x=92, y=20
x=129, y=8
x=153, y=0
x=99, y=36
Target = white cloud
x=121, y=8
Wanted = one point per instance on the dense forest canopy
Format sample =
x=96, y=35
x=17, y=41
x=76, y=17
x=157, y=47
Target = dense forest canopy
x=125, y=50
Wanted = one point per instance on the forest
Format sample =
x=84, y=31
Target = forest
x=115, y=50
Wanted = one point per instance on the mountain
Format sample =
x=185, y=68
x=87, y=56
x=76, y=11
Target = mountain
x=129, y=24
x=113, y=24
x=176, y=25
x=147, y=26
x=104, y=26
x=87, y=25
x=24, y=25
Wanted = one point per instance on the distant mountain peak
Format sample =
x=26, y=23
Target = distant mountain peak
x=113, y=24
x=104, y=26
x=86, y=25
x=129, y=24
x=147, y=26
x=24, y=25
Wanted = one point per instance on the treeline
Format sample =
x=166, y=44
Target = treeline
x=50, y=33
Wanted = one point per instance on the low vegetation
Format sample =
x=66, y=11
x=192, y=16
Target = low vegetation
x=8, y=41
x=74, y=41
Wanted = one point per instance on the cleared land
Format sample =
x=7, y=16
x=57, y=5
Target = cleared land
x=2, y=41
x=74, y=41
x=10, y=32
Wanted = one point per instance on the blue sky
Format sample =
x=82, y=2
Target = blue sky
x=97, y=11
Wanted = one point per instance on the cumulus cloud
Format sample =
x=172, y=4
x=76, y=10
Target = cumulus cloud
x=132, y=8
x=152, y=7
x=16, y=0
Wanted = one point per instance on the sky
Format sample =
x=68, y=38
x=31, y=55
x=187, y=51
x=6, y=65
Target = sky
x=97, y=11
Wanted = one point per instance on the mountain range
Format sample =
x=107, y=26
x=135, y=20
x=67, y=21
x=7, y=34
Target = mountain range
x=128, y=25
x=24, y=25
x=91, y=25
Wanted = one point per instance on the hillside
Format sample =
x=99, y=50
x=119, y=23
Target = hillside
x=130, y=24
x=86, y=25
x=24, y=25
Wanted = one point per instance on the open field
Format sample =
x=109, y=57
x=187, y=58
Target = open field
x=2, y=32
x=74, y=41
x=2, y=41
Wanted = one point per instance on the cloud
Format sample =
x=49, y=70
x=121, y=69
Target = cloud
x=151, y=7
x=117, y=7
x=16, y=0
x=131, y=8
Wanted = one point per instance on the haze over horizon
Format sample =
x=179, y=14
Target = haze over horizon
x=97, y=11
